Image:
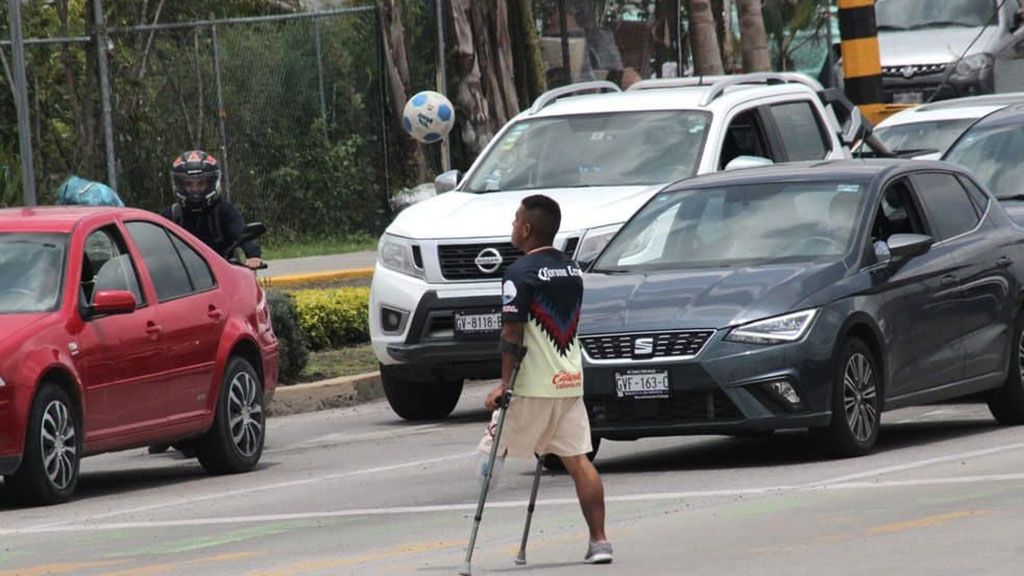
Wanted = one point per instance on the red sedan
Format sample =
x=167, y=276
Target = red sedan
x=118, y=329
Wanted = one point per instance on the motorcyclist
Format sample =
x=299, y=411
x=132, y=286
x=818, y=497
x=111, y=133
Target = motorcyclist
x=195, y=177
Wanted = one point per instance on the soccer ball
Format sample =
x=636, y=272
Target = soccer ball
x=428, y=116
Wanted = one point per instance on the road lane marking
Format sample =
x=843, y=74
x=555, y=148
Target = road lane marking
x=926, y=522
x=219, y=539
x=400, y=510
x=68, y=568
x=344, y=438
x=236, y=491
x=841, y=481
x=404, y=550
x=176, y=567
x=920, y=464
x=883, y=529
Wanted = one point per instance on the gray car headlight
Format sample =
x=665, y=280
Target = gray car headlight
x=594, y=241
x=399, y=254
x=785, y=328
x=969, y=69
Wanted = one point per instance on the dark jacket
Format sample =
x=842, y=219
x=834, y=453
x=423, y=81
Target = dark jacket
x=219, y=227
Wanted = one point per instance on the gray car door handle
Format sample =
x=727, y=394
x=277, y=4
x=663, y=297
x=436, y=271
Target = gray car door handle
x=1003, y=261
x=948, y=280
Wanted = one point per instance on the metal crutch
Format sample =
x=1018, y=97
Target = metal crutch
x=520, y=352
x=521, y=557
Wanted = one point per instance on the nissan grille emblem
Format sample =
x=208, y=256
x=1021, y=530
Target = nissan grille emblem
x=488, y=260
x=643, y=346
x=908, y=71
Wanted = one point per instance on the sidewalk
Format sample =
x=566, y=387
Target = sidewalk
x=314, y=269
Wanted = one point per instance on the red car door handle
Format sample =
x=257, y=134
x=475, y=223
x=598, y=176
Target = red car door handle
x=214, y=313
x=154, y=330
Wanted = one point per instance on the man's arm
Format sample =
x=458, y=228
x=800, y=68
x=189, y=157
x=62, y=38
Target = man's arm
x=234, y=225
x=512, y=333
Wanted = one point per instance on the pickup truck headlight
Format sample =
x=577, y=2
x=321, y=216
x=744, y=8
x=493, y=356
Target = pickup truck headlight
x=399, y=254
x=785, y=328
x=969, y=69
x=594, y=241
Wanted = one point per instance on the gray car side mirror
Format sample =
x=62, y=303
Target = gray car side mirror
x=741, y=162
x=903, y=246
x=447, y=181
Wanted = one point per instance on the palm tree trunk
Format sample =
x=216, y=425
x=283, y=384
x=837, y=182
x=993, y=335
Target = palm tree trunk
x=707, y=59
x=756, y=57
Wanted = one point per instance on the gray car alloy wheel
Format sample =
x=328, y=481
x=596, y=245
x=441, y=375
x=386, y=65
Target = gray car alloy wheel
x=859, y=396
x=58, y=444
x=245, y=414
x=1020, y=356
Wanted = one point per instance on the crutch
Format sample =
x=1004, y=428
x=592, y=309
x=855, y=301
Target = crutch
x=521, y=557
x=520, y=352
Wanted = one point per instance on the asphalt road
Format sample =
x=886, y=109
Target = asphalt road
x=356, y=491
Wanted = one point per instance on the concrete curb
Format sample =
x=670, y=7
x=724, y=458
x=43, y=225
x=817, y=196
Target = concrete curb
x=326, y=394
x=293, y=280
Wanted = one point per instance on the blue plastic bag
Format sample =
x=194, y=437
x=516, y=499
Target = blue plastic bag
x=77, y=191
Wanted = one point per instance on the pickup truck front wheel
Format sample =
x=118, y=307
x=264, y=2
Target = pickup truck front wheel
x=420, y=399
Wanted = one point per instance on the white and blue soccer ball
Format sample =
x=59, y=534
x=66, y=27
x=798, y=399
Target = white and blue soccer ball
x=428, y=116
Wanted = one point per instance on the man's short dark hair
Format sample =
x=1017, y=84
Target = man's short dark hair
x=545, y=216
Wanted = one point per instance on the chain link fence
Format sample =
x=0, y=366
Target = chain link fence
x=293, y=107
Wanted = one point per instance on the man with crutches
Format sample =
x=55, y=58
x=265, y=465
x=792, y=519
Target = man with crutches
x=541, y=391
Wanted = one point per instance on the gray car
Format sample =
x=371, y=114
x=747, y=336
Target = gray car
x=804, y=296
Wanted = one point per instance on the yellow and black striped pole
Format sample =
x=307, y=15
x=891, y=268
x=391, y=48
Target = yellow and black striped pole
x=862, y=66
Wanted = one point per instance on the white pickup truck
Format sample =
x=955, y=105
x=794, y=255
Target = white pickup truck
x=601, y=153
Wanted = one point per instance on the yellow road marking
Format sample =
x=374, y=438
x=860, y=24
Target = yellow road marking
x=891, y=528
x=68, y=568
x=177, y=566
x=927, y=522
x=313, y=565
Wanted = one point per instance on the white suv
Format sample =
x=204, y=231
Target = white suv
x=436, y=294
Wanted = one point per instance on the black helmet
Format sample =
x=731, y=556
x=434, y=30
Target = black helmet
x=195, y=177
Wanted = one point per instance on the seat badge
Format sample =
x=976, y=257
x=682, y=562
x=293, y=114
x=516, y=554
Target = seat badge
x=73, y=348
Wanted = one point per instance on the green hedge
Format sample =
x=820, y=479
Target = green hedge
x=294, y=344
x=334, y=317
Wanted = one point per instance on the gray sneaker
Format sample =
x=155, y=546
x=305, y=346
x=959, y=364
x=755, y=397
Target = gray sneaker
x=598, y=552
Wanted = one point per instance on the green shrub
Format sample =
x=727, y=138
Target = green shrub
x=294, y=344
x=334, y=317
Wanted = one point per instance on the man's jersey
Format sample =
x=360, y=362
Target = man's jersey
x=544, y=290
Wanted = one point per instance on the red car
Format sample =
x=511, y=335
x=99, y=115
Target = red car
x=119, y=329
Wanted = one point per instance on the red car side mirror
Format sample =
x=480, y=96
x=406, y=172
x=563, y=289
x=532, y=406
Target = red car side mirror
x=113, y=302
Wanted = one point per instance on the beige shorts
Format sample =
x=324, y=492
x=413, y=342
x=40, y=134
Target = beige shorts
x=542, y=426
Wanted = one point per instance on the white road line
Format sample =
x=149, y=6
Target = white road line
x=920, y=464
x=253, y=489
x=399, y=510
x=344, y=438
x=234, y=492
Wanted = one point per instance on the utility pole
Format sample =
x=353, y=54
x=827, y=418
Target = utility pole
x=28, y=177
x=108, y=123
x=442, y=81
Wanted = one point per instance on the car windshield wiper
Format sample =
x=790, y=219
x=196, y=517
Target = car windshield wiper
x=943, y=23
x=890, y=27
x=906, y=152
x=1011, y=197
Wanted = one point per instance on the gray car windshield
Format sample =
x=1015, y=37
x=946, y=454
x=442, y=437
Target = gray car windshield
x=31, y=272
x=612, y=149
x=738, y=226
x=996, y=156
x=934, y=136
x=909, y=14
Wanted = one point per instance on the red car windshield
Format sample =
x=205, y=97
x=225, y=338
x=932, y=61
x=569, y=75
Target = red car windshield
x=31, y=272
